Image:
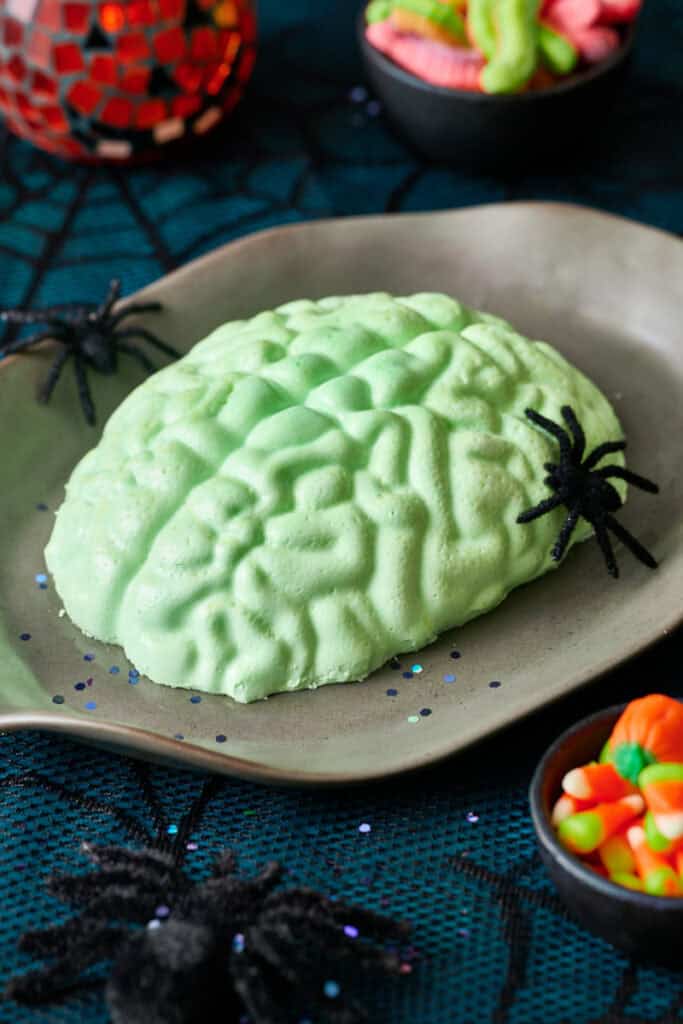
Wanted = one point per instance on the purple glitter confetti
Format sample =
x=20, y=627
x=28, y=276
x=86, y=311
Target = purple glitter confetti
x=162, y=911
x=79, y=686
x=495, y=684
x=88, y=657
x=425, y=712
x=88, y=681
x=195, y=700
x=405, y=969
x=90, y=705
x=221, y=738
x=472, y=817
x=58, y=699
x=24, y=636
x=192, y=847
x=449, y=678
x=350, y=931
x=392, y=693
x=365, y=828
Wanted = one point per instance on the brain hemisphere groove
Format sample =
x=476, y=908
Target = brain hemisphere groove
x=313, y=490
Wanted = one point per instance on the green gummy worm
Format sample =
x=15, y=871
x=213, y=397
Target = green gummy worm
x=557, y=53
x=378, y=10
x=434, y=11
x=480, y=18
x=517, y=52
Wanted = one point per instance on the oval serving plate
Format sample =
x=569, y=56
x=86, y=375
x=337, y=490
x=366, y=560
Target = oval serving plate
x=604, y=291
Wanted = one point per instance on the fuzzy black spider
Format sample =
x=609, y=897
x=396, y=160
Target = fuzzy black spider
x=92, y=335
x=226, y=943
x=585, y=490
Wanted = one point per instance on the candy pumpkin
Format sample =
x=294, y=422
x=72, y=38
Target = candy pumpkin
x=650, y=730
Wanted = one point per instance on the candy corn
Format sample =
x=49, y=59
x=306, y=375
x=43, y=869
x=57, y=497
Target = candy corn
x=657, y=873
x=616, y=855
x=627, y=879
x=587, y=830
x=623, y=814
x=662, y=786
x=600, y=783
x=567, y=805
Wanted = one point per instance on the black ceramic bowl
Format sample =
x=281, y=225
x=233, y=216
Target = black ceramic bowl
x=648, y=927
x=496, y=133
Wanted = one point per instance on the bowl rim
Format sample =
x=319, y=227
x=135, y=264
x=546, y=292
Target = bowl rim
x=565, y=85
x=570, y=863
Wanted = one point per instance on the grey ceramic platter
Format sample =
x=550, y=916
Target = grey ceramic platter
x=604, y=291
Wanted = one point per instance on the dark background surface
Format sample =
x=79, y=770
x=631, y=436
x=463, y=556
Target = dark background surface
x=494, y=942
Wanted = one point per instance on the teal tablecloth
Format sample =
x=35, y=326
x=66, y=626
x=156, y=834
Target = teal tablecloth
x=452, y=850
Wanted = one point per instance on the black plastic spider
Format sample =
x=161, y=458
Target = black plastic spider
x=586, y=491
x=226, y=943
x=92, y=335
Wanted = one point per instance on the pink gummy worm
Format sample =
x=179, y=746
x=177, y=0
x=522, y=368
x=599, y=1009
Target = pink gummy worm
x=436, y=63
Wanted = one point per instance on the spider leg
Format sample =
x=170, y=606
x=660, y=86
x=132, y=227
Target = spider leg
x=603, y=449
x=131, y=350
x=603, y=540
x=140, y=332
x=630, y=542
x=565, y=533
x=84, y=391
x=112, y=857
x=547, y=505
x=551, y=428
x=22, y=343
x=53, y=375
x=43, y=984
x=112, y=296
x=625, y=474
x=576, y=431
x=135, y=307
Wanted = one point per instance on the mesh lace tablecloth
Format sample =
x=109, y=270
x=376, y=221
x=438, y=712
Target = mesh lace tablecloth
x=451, y=850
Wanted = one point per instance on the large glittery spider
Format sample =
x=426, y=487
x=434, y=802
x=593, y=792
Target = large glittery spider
x=93, y=335
x=586, y=491
x=228, y=943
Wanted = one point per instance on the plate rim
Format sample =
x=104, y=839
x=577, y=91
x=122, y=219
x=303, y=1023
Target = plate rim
x=187, y=754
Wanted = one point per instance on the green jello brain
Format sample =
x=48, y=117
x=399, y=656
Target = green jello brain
x=313, y=490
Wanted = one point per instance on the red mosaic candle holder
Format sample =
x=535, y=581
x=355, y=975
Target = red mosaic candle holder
x=96, y=80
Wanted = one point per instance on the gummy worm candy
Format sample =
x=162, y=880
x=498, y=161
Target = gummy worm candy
x=556, y=51
x=516, y=55
x=481, y=21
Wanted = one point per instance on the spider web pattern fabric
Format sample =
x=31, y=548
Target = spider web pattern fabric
x=451, y=850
